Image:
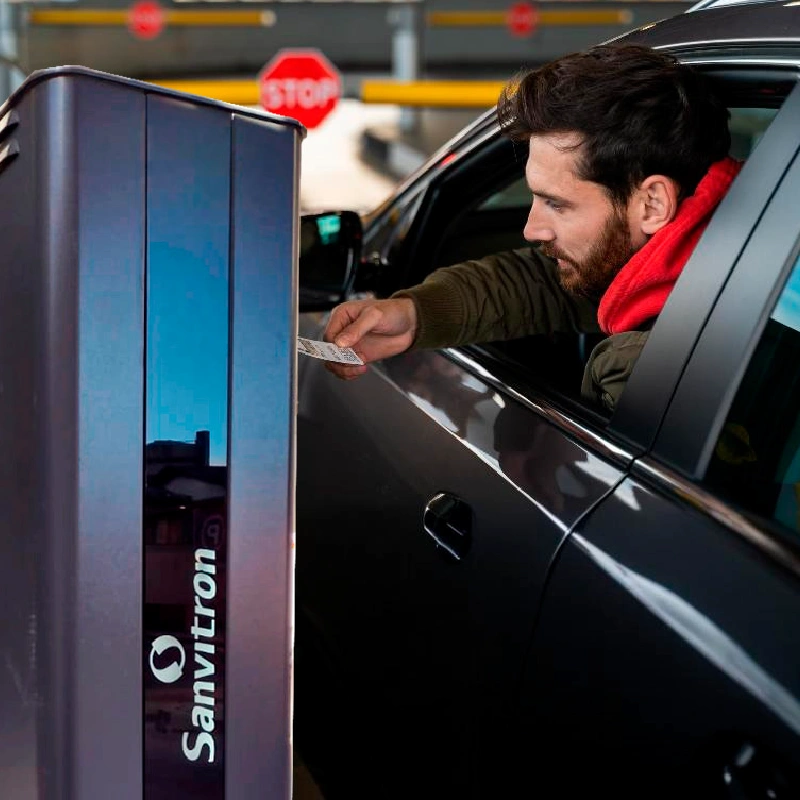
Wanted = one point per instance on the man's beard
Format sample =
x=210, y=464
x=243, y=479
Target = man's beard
x=593, y=275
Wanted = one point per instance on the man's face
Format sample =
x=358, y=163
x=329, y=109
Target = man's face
x=575, y=221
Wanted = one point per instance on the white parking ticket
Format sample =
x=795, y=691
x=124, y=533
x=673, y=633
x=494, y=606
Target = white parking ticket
x=328, y=351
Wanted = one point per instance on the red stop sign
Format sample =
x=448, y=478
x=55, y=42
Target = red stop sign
x=146, y=19
x=302, y=84
x=522, y=19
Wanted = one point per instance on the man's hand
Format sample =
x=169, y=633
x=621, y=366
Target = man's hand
x=375, y=329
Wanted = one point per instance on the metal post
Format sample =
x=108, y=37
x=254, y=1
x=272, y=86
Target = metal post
x=6, y=42
x=10, y=74
x=405, y=22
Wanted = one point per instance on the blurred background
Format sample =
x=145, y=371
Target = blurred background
x=381, y=84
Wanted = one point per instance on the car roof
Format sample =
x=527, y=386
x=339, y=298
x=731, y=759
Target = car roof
x=717, y=3
x=724, y=23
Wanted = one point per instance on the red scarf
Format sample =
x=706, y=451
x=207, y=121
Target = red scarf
x=641, y=287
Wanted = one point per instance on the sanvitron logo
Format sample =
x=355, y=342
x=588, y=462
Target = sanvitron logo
x=200, y=742
x=205, y=589
x=174, y=670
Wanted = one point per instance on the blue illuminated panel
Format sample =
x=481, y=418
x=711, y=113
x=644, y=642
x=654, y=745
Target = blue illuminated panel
x=186, y=450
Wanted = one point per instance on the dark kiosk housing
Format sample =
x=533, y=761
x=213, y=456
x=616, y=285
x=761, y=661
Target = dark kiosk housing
x=148, y=243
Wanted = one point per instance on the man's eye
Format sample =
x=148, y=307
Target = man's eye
x=554, y=205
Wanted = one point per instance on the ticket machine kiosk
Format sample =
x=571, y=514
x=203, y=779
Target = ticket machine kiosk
x=148, y=243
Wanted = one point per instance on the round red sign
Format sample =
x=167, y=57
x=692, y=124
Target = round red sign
x=522, y=19
x=146, y=19
x=301, y=84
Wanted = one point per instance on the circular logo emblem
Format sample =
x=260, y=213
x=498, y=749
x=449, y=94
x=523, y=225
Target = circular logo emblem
x=174, y=670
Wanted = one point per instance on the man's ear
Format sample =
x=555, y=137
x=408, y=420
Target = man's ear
x=656, y=203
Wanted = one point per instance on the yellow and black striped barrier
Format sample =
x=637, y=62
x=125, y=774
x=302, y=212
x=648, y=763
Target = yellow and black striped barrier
x=432, y=94
x=100, y=17
x=421, y=94
x=499, y=19
x=237, y=92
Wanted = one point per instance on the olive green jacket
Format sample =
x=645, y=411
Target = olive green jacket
x=515, y=294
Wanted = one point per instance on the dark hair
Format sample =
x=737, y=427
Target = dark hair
x=638, y=112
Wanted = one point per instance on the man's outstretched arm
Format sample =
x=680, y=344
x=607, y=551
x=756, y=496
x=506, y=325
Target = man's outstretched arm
x=500, y=297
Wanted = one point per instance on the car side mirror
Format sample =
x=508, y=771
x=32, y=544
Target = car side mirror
x=330, y=249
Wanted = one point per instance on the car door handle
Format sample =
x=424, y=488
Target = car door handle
x=752, y=775
x=448, y=521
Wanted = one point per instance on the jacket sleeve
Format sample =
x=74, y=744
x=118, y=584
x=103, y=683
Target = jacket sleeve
x=503, y=296
x=609, y=367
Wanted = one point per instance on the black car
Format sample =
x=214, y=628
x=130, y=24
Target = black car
x=501, y=590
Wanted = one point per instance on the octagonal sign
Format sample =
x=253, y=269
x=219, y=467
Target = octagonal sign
x=302, y=84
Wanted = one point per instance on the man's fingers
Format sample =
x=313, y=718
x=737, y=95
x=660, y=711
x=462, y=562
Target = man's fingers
x=375, y=329
x=341, y=317
x=368, y=319
x=345, y=372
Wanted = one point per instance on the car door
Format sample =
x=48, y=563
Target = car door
x=666, y=662
x=432, y=495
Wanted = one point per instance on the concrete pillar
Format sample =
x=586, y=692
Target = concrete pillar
x=406, y=23
x=10, y=74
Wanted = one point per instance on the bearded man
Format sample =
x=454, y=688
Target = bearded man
x=627, y=161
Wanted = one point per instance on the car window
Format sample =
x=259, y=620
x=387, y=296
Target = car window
x=756, y=460
x=492, y=223
x=515, y=195
x=480, y=207
x=490, y=219
x=747, y=126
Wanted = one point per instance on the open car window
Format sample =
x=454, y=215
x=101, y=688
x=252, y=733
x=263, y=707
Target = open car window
x=481, y=208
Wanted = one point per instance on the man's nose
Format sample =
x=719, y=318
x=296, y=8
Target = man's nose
x=536, y=230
